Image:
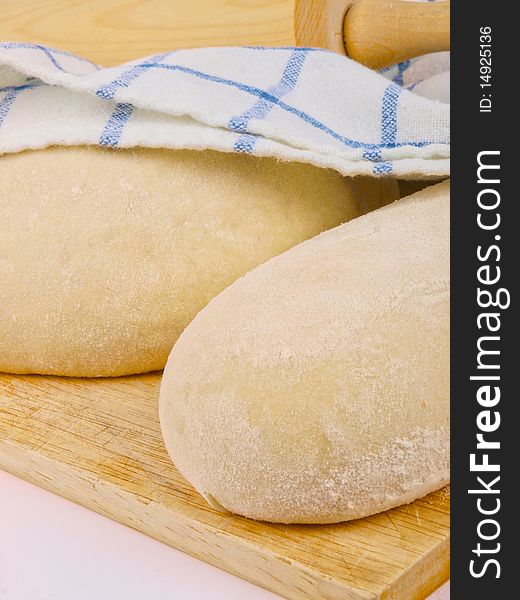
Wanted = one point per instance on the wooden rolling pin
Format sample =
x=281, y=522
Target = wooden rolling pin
x=379, y=33
x=374, y=32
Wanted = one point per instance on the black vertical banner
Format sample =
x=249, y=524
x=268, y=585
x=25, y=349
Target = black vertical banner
x=485, y=267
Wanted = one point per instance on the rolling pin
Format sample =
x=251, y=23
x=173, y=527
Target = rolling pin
x=376, y=33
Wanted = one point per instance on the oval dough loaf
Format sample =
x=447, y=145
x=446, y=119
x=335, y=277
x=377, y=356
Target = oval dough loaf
x=315, y=389
x=106, y=255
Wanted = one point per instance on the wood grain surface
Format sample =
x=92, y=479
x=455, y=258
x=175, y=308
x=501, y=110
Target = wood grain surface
x=110, y=32
x=319, y=23
x=97, y=442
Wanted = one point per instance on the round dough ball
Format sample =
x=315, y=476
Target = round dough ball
x=107, y=255
x=315, y=389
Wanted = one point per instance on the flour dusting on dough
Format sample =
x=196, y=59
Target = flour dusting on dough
x=316, y=387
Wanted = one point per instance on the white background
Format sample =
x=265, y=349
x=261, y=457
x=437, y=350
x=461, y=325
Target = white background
x=52, y=549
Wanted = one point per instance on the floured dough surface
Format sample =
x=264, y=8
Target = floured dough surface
x=106, y=255
x=315, y=389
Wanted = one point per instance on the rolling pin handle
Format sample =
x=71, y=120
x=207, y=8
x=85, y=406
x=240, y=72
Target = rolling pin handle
x=379, y=33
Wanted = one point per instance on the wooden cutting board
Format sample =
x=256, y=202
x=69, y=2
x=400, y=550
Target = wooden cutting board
x=97, y=442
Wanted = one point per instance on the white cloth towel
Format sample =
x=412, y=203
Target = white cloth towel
x=299, y=104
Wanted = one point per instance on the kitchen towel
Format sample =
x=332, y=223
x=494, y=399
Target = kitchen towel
x=302, y=104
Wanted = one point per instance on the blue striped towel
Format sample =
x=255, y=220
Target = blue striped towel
x=300, y=104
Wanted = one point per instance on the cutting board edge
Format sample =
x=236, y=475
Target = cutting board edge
x=290, y=579
x=421, y=581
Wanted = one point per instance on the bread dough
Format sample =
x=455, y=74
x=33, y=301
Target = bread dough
x=436, y=87
x=106, y=255
x=315, y=389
